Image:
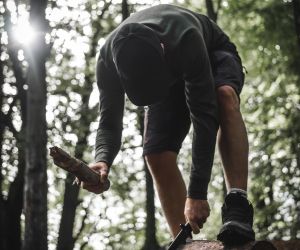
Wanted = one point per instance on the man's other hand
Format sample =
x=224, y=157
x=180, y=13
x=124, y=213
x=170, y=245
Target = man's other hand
x=102, y=169
x=196, y=212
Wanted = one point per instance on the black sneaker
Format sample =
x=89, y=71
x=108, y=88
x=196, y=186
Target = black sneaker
x=237, y=218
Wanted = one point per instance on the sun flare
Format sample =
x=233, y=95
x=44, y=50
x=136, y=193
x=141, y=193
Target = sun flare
x=24, y=33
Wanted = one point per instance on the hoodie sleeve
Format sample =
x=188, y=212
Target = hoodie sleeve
x=109, y=132
x=201, y=100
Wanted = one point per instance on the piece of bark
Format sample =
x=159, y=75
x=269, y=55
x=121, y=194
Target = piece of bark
x=216, y=245
x=75, y=166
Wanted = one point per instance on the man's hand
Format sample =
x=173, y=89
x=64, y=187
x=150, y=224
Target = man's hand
x=102, y=169
x=196, y=213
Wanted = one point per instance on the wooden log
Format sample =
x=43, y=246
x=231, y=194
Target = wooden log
x=216, y=245
x=75, y=166
x=287, y=245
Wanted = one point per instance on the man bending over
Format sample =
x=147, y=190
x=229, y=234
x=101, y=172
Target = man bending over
x=185, y=69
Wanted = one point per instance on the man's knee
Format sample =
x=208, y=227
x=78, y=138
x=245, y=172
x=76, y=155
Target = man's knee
x=227, y=98
x=161, y=161
x=152, y=160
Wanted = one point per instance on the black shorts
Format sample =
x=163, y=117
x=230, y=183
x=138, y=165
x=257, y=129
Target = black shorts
x=168, y=122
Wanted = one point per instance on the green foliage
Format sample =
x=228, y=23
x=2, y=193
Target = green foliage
x=266, y=39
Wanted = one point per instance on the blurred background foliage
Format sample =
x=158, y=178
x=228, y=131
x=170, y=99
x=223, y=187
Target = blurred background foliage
x=268, y=40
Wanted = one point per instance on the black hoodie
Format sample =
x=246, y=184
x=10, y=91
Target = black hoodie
x=188, y=40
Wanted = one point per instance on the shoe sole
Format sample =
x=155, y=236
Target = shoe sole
x=236, y=233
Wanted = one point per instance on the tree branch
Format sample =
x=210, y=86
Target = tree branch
x=83, y=224
x=16, y=66
x=93, y=231
x=218, y=6
x=210, y=10
x=77, y=167
x=12, y=104
x=8, y=123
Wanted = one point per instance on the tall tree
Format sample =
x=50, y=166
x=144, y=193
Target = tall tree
x=295, y=133
x=150, y=227
x=272, y=98
x=151, y=242
x=296, y=7
x=11, y=207
x=35, y=205
x=66, y=236
x=2, y=208
x=213, y=12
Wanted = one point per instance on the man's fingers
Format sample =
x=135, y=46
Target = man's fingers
x=87, y=186
x=194, y=227
x=196, y=212
x=103, y=175
x=94, y=189
x=100, y=188
x=102, y=170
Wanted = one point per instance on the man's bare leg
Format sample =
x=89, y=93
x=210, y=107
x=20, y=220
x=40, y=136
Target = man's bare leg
x=170, y=187
x=233, y=141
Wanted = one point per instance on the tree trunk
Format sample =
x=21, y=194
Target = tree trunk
x=65, y=235
x=35, y=202
x=295, y=145
x=212, y=14
x=11, y=208
x=15, y=195
x=296, y=6
x=14, y=203
x=2, y=204
x=125, y=10
x=150, y=232
x=66, y=240
x=1, y=123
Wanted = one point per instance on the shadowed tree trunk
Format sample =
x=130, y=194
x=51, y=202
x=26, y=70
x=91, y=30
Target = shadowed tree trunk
x=296, y=6
x=211, y=12
x=125, y=10
x=35, y=205
x=213, y=15
x=2, y=207
x=15, y=195
x=11, y=208
x=150, y=230
x=66, y=239
x=295, y=143
x=15, y=203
